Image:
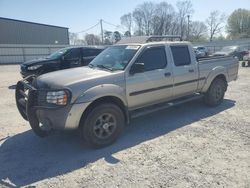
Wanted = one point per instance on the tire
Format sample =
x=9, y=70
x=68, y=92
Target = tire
x=103, y=125
x=215, y=94
x=243, y=64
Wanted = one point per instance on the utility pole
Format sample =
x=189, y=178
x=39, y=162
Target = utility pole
x=188, y=27
x=101, y=29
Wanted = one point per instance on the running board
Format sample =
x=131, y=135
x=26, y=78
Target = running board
x=157, y=107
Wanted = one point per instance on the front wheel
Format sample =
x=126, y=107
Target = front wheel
x=215, y=94
x=102, y=125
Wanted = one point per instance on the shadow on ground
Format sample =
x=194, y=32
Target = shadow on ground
x=26, y=159
x=12, y=87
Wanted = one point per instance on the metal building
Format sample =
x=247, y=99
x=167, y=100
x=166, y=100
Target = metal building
x=23, y=32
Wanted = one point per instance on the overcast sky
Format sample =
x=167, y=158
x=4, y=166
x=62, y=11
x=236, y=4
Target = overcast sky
x=79, y=15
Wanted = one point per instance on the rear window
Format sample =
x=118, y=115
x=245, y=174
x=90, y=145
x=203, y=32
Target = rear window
x=181, y=55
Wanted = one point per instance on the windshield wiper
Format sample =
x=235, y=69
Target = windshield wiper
x=105, y=67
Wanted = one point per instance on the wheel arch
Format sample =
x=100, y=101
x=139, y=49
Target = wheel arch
x=105, y=99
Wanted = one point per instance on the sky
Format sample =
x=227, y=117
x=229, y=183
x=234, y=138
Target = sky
x=79, y=15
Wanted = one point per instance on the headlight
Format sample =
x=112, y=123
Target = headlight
x=58, y=97
x=34, y=67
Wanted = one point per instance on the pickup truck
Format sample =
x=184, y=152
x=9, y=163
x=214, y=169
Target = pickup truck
x=135, y=77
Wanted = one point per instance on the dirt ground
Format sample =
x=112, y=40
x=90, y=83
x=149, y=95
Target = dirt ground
x=186, y=146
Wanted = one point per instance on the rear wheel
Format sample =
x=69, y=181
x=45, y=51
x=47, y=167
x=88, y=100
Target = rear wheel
x=102, y=125
x=243, y=64
x=215, y=94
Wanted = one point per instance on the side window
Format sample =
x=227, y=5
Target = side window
x=75, y=53
x=153, y=58
x=90, y=52
x=181, y=55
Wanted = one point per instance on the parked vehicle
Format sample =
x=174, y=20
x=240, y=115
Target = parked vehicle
x=201, y=51
x=62, y=59
x=246, y=60
x=127, y=80
x=235, y=51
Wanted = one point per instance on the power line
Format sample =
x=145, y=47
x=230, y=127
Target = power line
x=110, y=23
x=89, y=28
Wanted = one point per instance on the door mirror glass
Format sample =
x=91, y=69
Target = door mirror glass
x=137, y=68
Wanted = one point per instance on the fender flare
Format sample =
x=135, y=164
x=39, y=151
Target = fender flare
x=220, y=70
x=104, y=90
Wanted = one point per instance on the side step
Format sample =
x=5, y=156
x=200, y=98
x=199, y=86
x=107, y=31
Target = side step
x=157, y=107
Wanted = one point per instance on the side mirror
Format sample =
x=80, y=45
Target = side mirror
x=137, y=68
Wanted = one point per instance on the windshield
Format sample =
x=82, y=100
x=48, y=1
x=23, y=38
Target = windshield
x=228, y=48
x=115, y=57
x=58, y=53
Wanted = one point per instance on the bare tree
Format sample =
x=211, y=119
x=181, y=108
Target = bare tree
x=73, y=38
x=215, y=23
x=143, y=15
x=92, y=39
x=198, y=30
x=162, y=18
x=126, y=20
x=138, y=16
x=184, y=9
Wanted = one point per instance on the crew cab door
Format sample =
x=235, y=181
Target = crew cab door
x=72, y=58
x=185, y=70
x=152, y=81
x=88, y=55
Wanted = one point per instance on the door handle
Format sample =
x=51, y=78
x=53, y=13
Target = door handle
x=167, y=74
x=191, y=70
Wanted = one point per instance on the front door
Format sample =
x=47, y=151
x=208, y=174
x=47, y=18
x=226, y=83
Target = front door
x=153, y=84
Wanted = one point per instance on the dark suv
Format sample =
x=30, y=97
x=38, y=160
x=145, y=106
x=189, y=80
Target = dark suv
x=62, y=59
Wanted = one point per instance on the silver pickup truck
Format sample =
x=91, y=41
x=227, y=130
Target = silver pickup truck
x=135, y=77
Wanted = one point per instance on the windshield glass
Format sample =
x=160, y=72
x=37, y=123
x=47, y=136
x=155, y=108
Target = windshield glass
x=58, y=53
x=115, y=57
x=228, y=48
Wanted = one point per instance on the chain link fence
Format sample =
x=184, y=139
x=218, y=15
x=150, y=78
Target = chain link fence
x=13, y=54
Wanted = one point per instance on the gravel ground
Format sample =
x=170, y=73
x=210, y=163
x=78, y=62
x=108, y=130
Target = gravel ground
x=186, y=146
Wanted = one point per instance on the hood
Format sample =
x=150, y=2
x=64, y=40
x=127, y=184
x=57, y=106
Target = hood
x=71, y=77
x=37, y=61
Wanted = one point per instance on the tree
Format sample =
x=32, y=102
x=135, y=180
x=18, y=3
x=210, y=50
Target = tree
x=117, y=36
x=162, y=18
x=126, y=20
x=184, y=9
x=137, y=16
x=73, y=38
x=198, y=31
x=127, y=34
x=108, y=37
x=215, y=23
x=143, y=15
x=238, y=24
x=92, y=39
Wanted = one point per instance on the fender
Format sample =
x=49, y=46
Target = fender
x=103, y=90
x=219, y=70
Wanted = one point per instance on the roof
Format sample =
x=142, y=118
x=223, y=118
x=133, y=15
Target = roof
x=32, y=23
x=146, y=39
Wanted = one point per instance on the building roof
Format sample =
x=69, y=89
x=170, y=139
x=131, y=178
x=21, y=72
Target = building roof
x=33, y=23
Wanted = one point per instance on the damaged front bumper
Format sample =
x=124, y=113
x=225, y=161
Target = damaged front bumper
x=31, y=104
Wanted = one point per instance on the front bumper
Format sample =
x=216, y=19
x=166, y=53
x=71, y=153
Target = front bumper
x=37, y=113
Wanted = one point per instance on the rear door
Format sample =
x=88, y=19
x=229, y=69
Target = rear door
x=152, y=85
x=185, y=70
